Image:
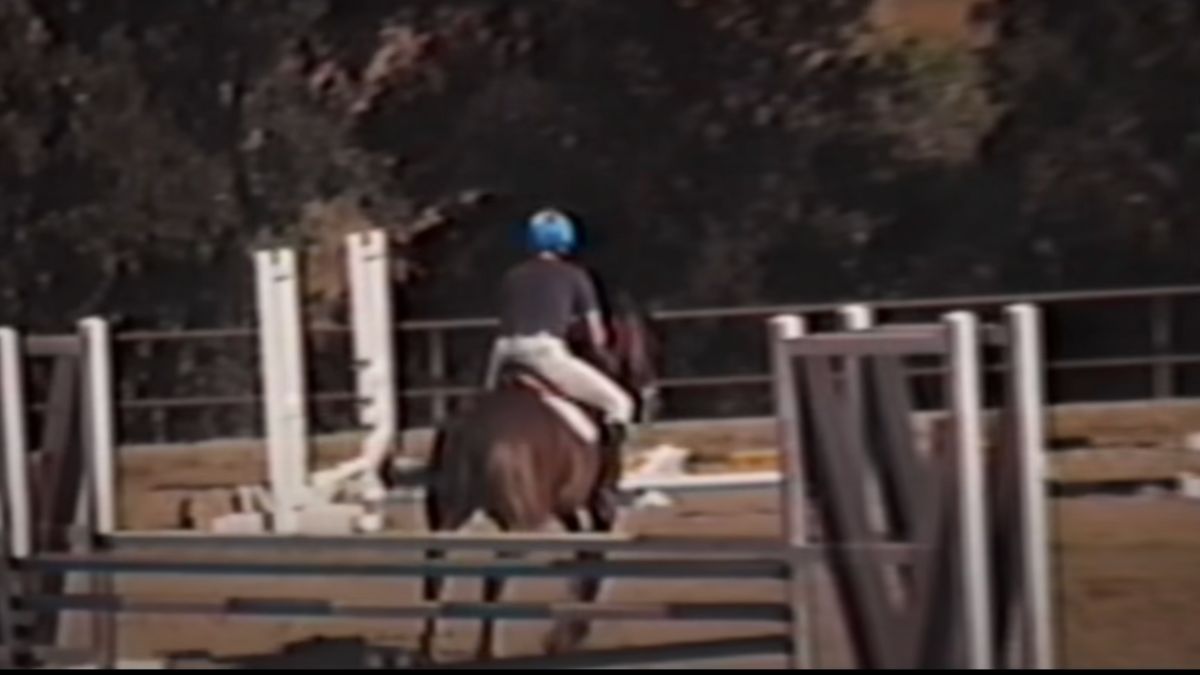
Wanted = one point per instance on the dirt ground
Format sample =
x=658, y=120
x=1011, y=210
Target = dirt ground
x=1126, y=585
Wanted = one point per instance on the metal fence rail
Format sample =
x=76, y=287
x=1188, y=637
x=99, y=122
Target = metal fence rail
x=143, y=555
x=1120, y=344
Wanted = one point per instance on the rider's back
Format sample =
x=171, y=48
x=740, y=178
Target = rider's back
x=542, y=295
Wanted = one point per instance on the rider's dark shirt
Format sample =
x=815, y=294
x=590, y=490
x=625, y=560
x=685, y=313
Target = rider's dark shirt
x=542, y=295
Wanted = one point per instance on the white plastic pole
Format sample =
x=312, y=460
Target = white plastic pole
x=965, y=382
x=98, y=407
x=1026, y=358
x=281, y=351
x=268, y=334
x=16, y=444
x=368, y=262
x=373, y=321
x=295, y=409
x=360, y=321
x=856, y=316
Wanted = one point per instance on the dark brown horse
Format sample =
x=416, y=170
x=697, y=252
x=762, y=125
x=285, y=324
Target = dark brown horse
x=513, y=458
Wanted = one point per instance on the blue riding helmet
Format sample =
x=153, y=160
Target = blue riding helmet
x=551, y=231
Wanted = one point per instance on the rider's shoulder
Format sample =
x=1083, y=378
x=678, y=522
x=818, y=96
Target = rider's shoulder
x=557, y=266
x=579, y=270
x=568, y=265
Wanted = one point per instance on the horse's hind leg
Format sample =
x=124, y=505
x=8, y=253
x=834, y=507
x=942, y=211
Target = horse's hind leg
x=568, y=633
x=437, y=520
x=493, y=587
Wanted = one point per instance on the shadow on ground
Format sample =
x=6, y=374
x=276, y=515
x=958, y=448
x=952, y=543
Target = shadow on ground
x=314, y=654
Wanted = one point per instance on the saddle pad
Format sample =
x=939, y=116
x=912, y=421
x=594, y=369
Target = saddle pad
x=576, y=419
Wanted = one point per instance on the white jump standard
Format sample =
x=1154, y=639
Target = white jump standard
x=350, y=496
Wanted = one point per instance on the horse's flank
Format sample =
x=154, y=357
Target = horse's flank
x=513, y=459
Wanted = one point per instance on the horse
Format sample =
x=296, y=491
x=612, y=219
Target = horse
x=512, y=457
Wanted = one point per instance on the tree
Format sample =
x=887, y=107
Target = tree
x=1099, y=136
x=148, y=146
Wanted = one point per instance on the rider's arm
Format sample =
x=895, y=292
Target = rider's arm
x=588, y=305
x=596, y=329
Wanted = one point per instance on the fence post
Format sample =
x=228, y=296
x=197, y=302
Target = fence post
x=964, y=385
x=97, y=407
x=158, y=419
x=16, y=446
x=859, y=317
x=1161, y=338
x=854, y=318
x=795, y=499
x=437, y=373
x=1024, y=325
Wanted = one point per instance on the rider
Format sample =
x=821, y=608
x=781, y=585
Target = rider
x=538, y=299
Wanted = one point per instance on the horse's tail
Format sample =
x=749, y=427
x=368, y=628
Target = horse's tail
x=451, y=495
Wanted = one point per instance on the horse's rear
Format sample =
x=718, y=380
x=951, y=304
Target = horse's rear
x=512, y=458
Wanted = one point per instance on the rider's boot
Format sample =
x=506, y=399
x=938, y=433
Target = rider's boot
x=615, y=434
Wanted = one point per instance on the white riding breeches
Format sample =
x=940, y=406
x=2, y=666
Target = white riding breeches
x=550, y=357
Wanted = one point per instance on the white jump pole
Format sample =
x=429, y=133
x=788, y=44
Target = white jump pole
x=99, y=416
x=282, y=354
x=374, y=353
x=16, y=445
x=965, y=384
x=1025, y=332
x=368, y=261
